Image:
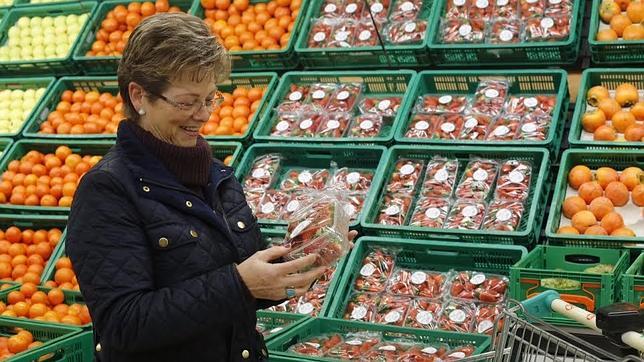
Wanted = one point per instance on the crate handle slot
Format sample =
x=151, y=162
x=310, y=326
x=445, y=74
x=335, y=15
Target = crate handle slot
x=582, y=259
x=442, y=253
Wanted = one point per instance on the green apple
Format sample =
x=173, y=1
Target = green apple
x=37, y=41
x=40, y=92
x=47, y=21
x=71, y=19
x=14, y=32
x=49, y=38
x=35, y=21
x=50, y=50
x=36, y=30
x=39, y=53
x=82, y=18
x=60, y=31
x=17, y=94
x=23, y=22
x=59, y=21
x=26, y=51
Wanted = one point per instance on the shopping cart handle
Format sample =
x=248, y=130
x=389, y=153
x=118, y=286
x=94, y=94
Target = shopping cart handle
x=541, y=304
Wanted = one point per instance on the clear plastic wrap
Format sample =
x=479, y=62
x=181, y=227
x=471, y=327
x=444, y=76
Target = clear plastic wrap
x=487, y=317
x=463, y=30
x=376, y=269
x=345, y=97
x=416, y=283
x=405, y=10
x=385, y=352
x=514, y=180
x=320, y=94
x=425, y=353
x=366, y=125
x=476, y=127
x=301, y=179
x=394, y=209
x=559, y=7
x=450, y=126
x=378, y=9
x=354, y=345
x=531, y=8
x=430, y=103
x=457, y=8
x=317, y=346
x=331, y=9
x=482, y=9
x=466, y=215
x=311, y=302
x=548, y=28
x=361, y=307
x=406, y=32
x=355, y=181
x=287, y=306
x=385, y=106
x=272, y=204
x=261, y=174
x=294, y=98
x=353, y=9
x=503, y=216
x=422, y=125
x=391, y=309
x=342, y=37
x=457, y=317
x=458, y=353
x=477, y=180
x=297, y=201
x=471, y=286
x=423, y=313
x=430, y=213
x=253, y=197
x=535, y=128
x=507, y=8
x=405, y=176
x=320, y=34
x=505, y=31
x=365, y=35
x=524, y=105
x=307, y=125
x=285, y=124
x=505, y=128
x=334, y=125
x=490, y=97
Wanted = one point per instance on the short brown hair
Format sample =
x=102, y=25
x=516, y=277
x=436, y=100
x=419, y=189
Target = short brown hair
x=169, y=45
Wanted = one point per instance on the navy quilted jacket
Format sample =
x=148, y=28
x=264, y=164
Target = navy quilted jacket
x=155, y=262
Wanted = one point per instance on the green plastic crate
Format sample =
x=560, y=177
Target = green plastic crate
x=7, y=8
x=51, y=100
x=61, y=343
x=611, y=79
x=278, y=323
x=281, y=59
x=617, y=159
x=523, y=82
x=316, y=156
x=5, y=145
x=20, y=148
x=24, y=3
x=523, y=53
x=27, y=83
x=530, y=226
x=3, y=15
x=279, y=345
x=612, y=52
x=267, y=80
x=633, y=283
x=108, y=65
x=71, y=297
x=54, y=66
x=221, y=150
x=394, y=56
x=427, y=255
x=596, y=290
x=378, y=83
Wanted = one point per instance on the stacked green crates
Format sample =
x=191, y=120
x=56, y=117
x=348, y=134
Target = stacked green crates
x=529, y=228
x=613, y=51
x=522, y=82
x=376, y=83
x=633, y=283
x=54, y=66
x=392, y=56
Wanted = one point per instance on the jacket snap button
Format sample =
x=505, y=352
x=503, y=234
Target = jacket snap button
x=98, y=347
x=245, y=354
x=264, y=352
x=241, y=224
x=163, y=242
x=194, y=233
x=146, y=189
x=188, y=203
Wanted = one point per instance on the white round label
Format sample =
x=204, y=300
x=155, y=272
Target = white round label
x=392, y=210
x=330, y=8
x=501, y=131
x=407, y=170
x=366, y=125
x=529, y=127
x=503, y=215
x=429, y=350
x=384, y=104
x=319, y=36
x=305, y=177
x=457, y=316
x=457, y=355
x=433, y=213
x=421, y=125
x=275, y=330
x=448, y=127
x=502, y=2
x=516, y=177
x=392, y=317
x=292, y=206
x=445, y=99
x=491, y=93
x=268, y=208
x=351, y=8
x=470, y=211
x=306, y=308
x=530, y=102
x=471, y=122
x=482, y=4
x=367, y=270
x=554, y=2
x=353, y=177
x=343, y=95
x=441, y=175
x=341, y=36
x=459, y=2
x=407, y=6
x=318, y=94
x=465, y=29
x=485, y=325
x=425, y=317
x=259, y=173
x=506, y=35
x=480, y=175
x=358, y=312
x=295, y=96
x=388, y=348
x=333, y=124
x=282, y=126
x=547, y=23
x=300, y=227
x=354, y=342
x=377, y=7
x=349, y=209
x=306, y=124
x=364, y=35
x=410, y=27
x=418, y=277
x=477, y=279
x=531, y=1
x=313, y=344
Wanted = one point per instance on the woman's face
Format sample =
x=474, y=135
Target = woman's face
x=177, y=118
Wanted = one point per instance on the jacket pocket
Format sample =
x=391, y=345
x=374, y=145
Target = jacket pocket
x=172, y=243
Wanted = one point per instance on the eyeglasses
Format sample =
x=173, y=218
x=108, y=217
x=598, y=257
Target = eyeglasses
x=192, y=108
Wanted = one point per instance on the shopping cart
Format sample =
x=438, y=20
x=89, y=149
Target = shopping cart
x=522, y=336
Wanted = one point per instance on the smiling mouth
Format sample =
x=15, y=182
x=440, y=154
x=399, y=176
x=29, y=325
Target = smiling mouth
x=193, y=131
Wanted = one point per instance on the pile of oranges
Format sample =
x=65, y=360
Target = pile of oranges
x=45, y=180
x=19, y=342
x=235, y=113
x=80, y=112
x=24, y=253
x=627, y=25
x=119, y=23
x=594, y=211
x=625, y=111
x=45, y=305
x=244, y=27
x=64, y=278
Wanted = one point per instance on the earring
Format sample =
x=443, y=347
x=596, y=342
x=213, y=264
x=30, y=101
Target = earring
x=142, y=112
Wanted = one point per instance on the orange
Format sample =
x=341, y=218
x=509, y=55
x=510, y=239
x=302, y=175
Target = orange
x=55, y=296
x=595, y=230
x=37, y=310
x=626, y=94
x=638, y=111
x=63, y=275
x=612, y=221
x=633, y=32
x=222, y=4
x=573, y=205
x=635, y=11
x=617, y=192
x=590, y=191
x=147, y=9
x=619, y=22
x=583, y=220
x=606, y=175
x=637, y=195
x=609, y=106
x=607, y=35
x=593, y=120
x=623, y=231
x=634, y=133
x=133, y=19
x=630, y=177
x=579, y=175
x=21, y=309
x=567, y=230
x=605, y=133
x=63, y=262
x=17, y=344
x=71, y=319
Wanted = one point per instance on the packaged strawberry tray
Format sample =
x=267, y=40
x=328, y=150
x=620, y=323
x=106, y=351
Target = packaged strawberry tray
x=468, y=286
x=375, y=271
x=262, y=173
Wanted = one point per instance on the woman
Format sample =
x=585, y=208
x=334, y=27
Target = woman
x=167, y=252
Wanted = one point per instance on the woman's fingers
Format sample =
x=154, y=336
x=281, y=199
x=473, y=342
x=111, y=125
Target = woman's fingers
x=294, y=266
x=273, y=253
x=304, y=279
